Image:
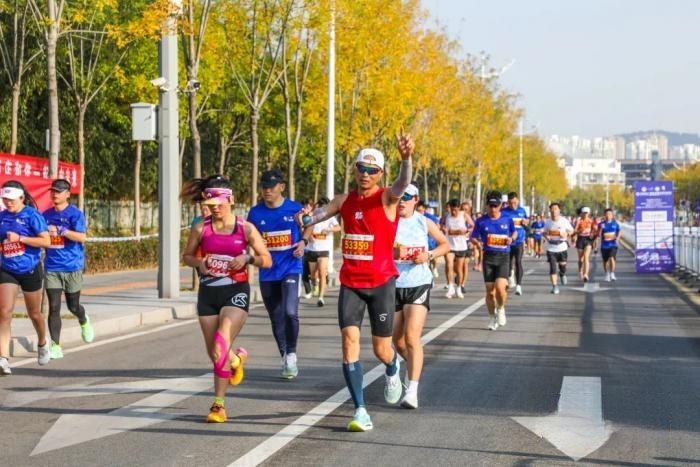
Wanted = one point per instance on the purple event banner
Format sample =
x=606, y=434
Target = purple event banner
x=653, y=227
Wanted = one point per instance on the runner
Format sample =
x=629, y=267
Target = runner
x=306, y=269
x=412, y=254
x=537, y=230
x=609, y=234
x=23, y=232
x=456, y=229
x=557, y=230
x=279, y=286
x=583, y=231
x=517, y=248
x=368, y=275
x=422, y=208
x=468, y=216
x=224, y=293
x=318, y=252
x=493, y=234
x=64, y=263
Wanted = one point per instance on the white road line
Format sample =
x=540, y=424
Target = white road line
x=287, y=434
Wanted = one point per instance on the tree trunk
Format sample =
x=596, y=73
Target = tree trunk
x=426, y=191
x=194, y=135
x=137, y=189
x=348, y=173
x=52, y=87
x=222, y=153
x=254, y=118
x=317, y=186
x=82, y=107
x=15, y=117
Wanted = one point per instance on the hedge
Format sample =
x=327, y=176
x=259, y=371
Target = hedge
x=120, y=256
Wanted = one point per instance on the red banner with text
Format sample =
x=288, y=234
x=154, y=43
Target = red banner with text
x=33, y=173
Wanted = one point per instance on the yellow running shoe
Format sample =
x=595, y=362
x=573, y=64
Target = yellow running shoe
x=217, y=414
x=237, y=372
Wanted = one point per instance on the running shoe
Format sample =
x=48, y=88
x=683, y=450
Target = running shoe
x=564, y=279
x=555, y=290
x=289, y=366
x=463, y=289
x=307, y=296
x=612, y=277
x=314, y=291
x=501, y=316
x=410, y=400
x=518, y=290
x=320, y=302
x=237, y=372
x=436, y=274
x=450, y=292
x=86, y=331
x=585, y=278
x=43, y=354
x=493, y=323
x=393, y=387
x=460, y=292
x=217, y=414
x=360, y=421
x=5, y=369
x=511, y=281
x=55, y=351
x=607, y=277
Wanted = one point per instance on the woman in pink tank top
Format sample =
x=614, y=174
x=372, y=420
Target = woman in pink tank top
x=223, y=241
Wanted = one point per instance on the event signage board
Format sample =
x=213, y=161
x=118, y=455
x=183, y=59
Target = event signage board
x=653, y=227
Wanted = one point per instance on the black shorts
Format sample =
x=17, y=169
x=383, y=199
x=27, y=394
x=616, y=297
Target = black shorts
x=538, y=241
x=555, y=258
x=379, y=301
x=313, y=256
x=30, y=282
x=211, y=299
x=583, y=242
x=419, y=295
x=462, y=253
x=609, y=253
x=496, y=266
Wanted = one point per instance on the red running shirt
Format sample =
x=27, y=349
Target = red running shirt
x=368, y=242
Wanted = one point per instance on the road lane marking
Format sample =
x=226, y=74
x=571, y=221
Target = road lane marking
x=577, y=428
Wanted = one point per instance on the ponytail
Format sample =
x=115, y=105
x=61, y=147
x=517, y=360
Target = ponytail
x=28, y=200
x=192, y=189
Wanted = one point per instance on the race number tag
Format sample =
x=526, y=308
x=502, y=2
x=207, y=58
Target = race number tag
x=497, y=241
x=407, y=253
x=57, y=241
x=319, y=236
x=455, y=232
x=218, y=265
x=609, y=236
x=279, y=240
x=360, y=247
x=586, y=232
x=12, y=249
x=518, y=221
x=554, y=234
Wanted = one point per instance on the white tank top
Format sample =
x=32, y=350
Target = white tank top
x=452, y=223
x=411, y=240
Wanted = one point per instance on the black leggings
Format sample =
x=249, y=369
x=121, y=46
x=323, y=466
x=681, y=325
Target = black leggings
x=516, y=261
x=73, y=303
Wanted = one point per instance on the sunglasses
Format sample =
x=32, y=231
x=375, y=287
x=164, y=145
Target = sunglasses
x=406, y=197
x=365, y=169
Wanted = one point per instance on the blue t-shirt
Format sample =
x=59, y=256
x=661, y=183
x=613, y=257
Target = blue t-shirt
x=608, y=234
x=518, y=215
x=17, y=257
x=64, y=255
x=537, y=229
x=432, y=243
x=281, y=234
x=494, y=233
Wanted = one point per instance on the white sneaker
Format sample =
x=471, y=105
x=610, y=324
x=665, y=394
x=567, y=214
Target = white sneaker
x=607, y=277
x=410, y=400
x=493, y=324
x=518, y=290
x=44, y=355
x=459, y=292
x=511, y=280
x=555, y=289
x=501, y=314
x=393, y=387
x=5, y=369
x=308, y=295
x=450, y=291
x=612, y=276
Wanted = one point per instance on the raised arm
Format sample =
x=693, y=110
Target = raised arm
x=406, y=147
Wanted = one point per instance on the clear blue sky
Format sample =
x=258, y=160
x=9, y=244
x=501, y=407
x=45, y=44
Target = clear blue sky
x=588, y=67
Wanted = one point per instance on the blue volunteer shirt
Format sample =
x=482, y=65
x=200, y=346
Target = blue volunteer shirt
x=432, y=244
x=18, y=258
x=281, y=233
x=608, y=234
x=64, y=255
x=518, y=215
x=537, y=229
x=494, y=233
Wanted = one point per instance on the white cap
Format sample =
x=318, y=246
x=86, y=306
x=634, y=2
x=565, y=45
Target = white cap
x=585, y=209
x=412, y=190
x=11, y=192
x=370, y=156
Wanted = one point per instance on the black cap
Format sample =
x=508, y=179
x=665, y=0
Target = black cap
x=60, y=185
x=271, y=178
x=493, y=198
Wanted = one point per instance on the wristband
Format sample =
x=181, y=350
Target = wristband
x=306, y=241
x=431, y=256
x=251, y=259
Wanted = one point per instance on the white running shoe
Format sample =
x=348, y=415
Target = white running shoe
x=360, y=421
x=564, y=279
x=289, y=366
x=555, y=289
x=393, y=387
x=450, y=291
x=501, y=315
x=459, y=292
x=511, y=280
x=410, y=400
x=5, y=369
x=607, y=277
x=612, y=276
x=307, y=296
x=44, y=357
x=493, y=323
x=518, y=290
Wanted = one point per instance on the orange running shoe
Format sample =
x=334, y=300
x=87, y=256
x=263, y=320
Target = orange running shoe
x=217, y=414
x=237, y=372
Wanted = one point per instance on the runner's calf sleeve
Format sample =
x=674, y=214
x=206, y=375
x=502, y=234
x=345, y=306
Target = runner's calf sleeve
x=54, y=296
x=403, y=180
x=73, y=303
x=562, y=268
x=353, y=378
x=391, y=367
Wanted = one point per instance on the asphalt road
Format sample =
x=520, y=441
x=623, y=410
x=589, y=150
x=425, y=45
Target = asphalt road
x=636, y=339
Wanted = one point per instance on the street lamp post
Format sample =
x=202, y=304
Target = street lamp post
x=520, y=157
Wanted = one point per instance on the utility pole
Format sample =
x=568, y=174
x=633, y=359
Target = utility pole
x=330, y=152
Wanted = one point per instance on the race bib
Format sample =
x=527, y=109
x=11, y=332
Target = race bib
x=497, y=241
x=218, y=265
x=407, y=253
x=12, y=249
x=319, y=236
x=517, y=221
x=609, y=236
x=455, y=232
x=554, y=234
x=279, y=240
x=585, y=233
x=360, y=247
x=57, y=241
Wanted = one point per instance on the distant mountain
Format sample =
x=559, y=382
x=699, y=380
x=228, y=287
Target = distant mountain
x=674, y=139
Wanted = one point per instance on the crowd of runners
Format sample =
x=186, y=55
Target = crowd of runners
x=390, y=244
